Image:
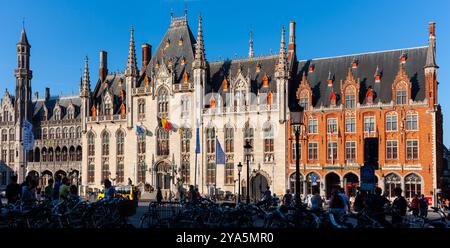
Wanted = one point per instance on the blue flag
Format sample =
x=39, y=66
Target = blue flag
x=220, y=155
x=28, y=136
x=197, y=142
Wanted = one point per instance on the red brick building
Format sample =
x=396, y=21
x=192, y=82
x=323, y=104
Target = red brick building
x=390, y=95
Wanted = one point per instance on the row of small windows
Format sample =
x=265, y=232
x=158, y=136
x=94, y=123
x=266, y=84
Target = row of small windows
x=401, y=96
x=61, y=133
x=412, y=150
x=5, y=133
x=6, y=117
x=57, y=154
x=57, y=114
x=369, y=124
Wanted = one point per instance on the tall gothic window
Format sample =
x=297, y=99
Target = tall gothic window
x=249, y=134
x=411, y=122
x=392, y=181
x=229, y=139
x=210, y=141
x=12, y=135
x=413, y=185
x=268, y=143
x=44, y=134
x=141, y=166
x=105, y=144
x=162, y=142
x=65, y=134
x=91, y=144
x=210, y=150
x=120, y=141
x=52, y=133
x=58, y=133
x=229, y=173
x=186, y=136
x=91, y=158
x=163, y=102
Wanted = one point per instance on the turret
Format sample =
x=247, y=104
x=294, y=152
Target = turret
x=251, y=53
x=282, y=76
x=85, y=94
x=23, y=76
x=431, y=67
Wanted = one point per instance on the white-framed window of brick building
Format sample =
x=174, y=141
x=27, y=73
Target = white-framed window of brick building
x=369, y=124
x=412, y=122
x=391, y=122
x=413, y=185
x=412, y=149
x=304, y=102
x=268, y=136
x=350, y=125
x=313, y=148
x=332, y=150
x=350, y=151
x=391, y=149
x=350, y=101
x=401, y=95
x=312, y=126
x=332, y=126
x=293, y=152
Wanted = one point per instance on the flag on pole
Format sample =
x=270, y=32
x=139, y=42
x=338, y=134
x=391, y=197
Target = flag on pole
x=197, y=141
x=28, y=136
x=220, y=155
x=166, y=124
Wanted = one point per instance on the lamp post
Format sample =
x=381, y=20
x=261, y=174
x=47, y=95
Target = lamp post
x=248, y=149
x=239, y=182
x=296, y=122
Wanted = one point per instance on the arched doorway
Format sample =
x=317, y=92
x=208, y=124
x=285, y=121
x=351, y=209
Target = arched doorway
x=74, y=177
x=392, y=181
x=312, y=181
x=332, y=181
x=351, y=183
x=292, y=183
x=62, y=173
x=258, y=184
x=163, y=176
x=46, y=175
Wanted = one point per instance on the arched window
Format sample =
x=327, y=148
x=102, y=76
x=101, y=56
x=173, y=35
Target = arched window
x=44, y=154
x=91, y=144
x=4, y=135
x=413, y=185
x=71, y=133
x=52, y=133
x=65, y=133
x=91, y=173
x=12, y=135
x=391, y=122
x=292, y=183
x=57, y=114
x=401, y=95
x=64, y=153
x=72, y=153
x=71, y=113
x=58, y=133
x=107, y=105
x=105, y=144
x=229, y=140
x=249, y=134
x=186, y=136
x=392, y=181
x=350, y=97
x=312, y=180
x=105, y=169
x=58, y=154
x=162, y=142
x=78, y=132
x=120, y=140
x=142, y=168
x=79, y=153
x=210, y=140
x=163, y=102
x=50, y=156
x=268, y=143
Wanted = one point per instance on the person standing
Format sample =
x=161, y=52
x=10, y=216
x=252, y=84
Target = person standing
x=29, y=192
x=337, y=203
x=56, y=188
x=13, y=190
x=415, y=205
x=360, y=200
x=110, y=192
x=423, y=206
x=399, y=208
x=316, y=200
x=287, y=199
x=159, y=196
x=345, y=198
x=48, y=190
x=64, y=190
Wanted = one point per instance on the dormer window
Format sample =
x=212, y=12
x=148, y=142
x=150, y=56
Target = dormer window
x=167, y=43
x=311, y=68
x=354, y=64
x=180, y=41
x=212, y=102
x=269, y=98
x=369, y=95
x=265, y=81
x=225, y=85
x=304, y=100
x=107, y=107
x=258, y=68
x=401, y=95
x=185, y=77
x=57, y=114
x=403, y=58
x=332, y=98
x=71, y=113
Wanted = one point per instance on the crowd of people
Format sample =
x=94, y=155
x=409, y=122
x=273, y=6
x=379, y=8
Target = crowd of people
x=58, y=191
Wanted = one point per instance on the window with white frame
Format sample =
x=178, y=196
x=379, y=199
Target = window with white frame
x=312, y=150
x=369, y=124
x=332, y=126
x=401, y=95
x=391, y=149
x=332, y=150
x=293, y=156
x=391, y=122
x=350, y=151
x=412, y=149
x=312, y=126
x=350, y=101
x=304, y=101
x=411, y=122
x=350, y=125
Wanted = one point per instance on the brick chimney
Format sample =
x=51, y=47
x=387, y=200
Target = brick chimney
x=146, y=55
x=103, y=69
x=47, y=94
x=291, y=46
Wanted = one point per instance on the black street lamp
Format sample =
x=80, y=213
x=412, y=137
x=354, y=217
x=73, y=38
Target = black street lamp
x=296, y=122
x=248, y=149
x=239, y=181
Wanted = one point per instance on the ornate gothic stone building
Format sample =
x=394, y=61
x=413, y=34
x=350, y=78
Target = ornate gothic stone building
x=114, y=130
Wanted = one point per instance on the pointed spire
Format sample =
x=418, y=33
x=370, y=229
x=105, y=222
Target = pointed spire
x=251, y=53
x=199, y=61
x=86, y=85
x=282, y=61
x=132, y=64
x=431, y=52
x=23, y=35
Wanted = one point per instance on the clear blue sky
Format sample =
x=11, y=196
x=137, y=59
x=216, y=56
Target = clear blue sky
x=61, y=32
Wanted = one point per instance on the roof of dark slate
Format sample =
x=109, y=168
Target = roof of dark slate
x=177, y=30
x=64, y=102
x=230, y=68
x=111, y=85
x=387, y=61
